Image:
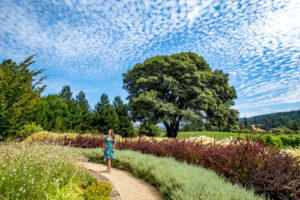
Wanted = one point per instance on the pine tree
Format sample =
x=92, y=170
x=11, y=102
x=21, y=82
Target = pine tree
x=52, y=113
x=85, y=115
x=74, y=111
x=125, y=125
x=246, y=125
x=66, y=93
x=105, y=116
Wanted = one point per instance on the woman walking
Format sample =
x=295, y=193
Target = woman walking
x=108, y=147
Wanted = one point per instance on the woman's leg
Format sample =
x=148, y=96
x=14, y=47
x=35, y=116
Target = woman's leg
x=108, y=164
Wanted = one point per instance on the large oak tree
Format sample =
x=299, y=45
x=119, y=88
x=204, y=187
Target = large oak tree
x=168, y=89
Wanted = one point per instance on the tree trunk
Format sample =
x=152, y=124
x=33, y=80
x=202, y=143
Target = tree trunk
x=172, y=128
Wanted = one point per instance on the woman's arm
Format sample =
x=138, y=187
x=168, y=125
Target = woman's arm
x=103, y=146
x=114, y=144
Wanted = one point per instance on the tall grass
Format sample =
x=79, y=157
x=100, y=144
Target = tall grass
x=175, y=180
x=41, y=172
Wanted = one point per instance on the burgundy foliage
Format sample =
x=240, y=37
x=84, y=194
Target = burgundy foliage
x=250, y=164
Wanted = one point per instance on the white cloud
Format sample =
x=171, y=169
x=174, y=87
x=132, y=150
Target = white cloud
x=257, y=42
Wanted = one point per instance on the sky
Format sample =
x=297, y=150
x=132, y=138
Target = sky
x=89, y=44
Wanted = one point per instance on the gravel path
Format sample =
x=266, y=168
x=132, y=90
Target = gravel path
x=128, y=186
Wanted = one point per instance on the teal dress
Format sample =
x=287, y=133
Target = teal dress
x=108, y=153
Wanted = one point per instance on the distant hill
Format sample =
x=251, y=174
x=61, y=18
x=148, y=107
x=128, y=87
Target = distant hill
x=289, y=119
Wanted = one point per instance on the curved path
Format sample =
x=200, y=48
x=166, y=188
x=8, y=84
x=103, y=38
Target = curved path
x=125, y=184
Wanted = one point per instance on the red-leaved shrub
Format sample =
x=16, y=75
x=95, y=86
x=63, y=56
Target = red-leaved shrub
x=250, y=164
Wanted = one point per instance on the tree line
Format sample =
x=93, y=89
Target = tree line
x=21, y=104
x=171, y=90
x=281, y=122
x=62, y=112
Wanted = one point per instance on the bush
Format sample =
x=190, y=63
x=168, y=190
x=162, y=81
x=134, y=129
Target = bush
x=282, y=130
x=28, y=130
x=173, y=179
x=98, y=191
x=281, y=140
x=149, y=129
x=251, y=164
x=40, y=172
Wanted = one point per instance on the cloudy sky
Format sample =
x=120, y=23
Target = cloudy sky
x=88, y=44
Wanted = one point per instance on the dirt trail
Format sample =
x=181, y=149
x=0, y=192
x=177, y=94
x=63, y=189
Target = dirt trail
x=128, y=186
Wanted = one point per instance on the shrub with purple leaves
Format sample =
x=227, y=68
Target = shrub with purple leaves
x=252, y=164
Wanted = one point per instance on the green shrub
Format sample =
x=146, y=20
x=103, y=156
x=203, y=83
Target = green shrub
x=149, y=129
x=31, y=171
x=175, y=180
x=28, y=130
x=281, y=141
x=282, y=130
x=98, y=191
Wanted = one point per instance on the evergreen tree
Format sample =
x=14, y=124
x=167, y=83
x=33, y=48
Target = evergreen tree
x=246, y=125
x=85, y=115
x=66, y=93
x=105, y=116
x=73, y=109
x=19, y=94
x=52, y=113
x=125, y=125
x=149, y=128
x=255, y=122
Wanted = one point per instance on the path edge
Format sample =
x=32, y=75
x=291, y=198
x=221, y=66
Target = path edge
x=114, y=195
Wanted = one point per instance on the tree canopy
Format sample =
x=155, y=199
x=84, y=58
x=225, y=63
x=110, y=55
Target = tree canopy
x=167, y=89
x=125, y=125
x=105, y=116
x=20, y=90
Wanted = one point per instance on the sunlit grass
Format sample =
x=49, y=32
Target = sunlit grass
x=41, y=172
x=212, y=134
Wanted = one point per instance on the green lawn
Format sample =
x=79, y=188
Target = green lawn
x=212, y=134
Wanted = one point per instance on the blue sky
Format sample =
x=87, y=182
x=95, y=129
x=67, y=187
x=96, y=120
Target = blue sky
x=88, y=44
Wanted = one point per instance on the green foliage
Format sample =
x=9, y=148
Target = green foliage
x=175, y=180
x=105, y=116
x=66, y=93
x=169, y=89
x=150, y=129
x=52, y=113
x=98, y=191
x=84, y=115
x=31, y=171
x=125, y=125
x=282, y=141
x=289, y=120
x=245, y=122
x=282, y=130
x=74, y=117
x=28, y=130
x=19, y=94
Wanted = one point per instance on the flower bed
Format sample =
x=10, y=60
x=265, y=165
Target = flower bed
x=43, y=172
x=175, y=180
x=248, y=163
